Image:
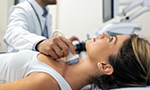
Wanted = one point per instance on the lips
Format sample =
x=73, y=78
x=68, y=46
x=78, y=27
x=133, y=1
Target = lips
x=94, y=39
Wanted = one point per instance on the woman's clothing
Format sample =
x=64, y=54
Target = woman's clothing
x=14, y=66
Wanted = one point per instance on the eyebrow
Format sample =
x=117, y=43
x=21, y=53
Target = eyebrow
x=116, y=39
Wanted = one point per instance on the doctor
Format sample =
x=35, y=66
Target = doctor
x=30, y=28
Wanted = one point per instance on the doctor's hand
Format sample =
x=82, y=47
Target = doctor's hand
x=56, y=47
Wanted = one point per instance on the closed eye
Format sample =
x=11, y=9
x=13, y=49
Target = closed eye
x=110, y=39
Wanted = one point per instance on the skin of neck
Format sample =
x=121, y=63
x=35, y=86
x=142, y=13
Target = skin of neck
x=79, y=75
x=42, y=4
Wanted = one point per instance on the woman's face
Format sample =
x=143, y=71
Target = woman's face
x=104, y=46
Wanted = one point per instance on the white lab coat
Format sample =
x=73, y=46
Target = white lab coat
x=24, y=30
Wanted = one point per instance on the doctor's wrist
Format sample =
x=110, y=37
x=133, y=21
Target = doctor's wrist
x=35, y=46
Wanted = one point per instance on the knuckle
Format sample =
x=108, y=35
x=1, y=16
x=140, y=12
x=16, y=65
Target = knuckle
x=55, y=39
x=59, y=36
x=48, y=49
x=51, y=45
x=69, y=41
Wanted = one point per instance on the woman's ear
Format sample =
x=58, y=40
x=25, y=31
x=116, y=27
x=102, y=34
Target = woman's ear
x=105, y=68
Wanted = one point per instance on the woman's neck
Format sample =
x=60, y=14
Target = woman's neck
x=78, y=75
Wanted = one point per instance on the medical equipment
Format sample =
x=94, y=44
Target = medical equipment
x=125, y=26
x=70, y=59
x=113, y=29
x=80, y=47
x=110, y=9
x=145, y=8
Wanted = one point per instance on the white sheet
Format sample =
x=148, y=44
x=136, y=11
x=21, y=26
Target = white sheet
x=134, y=88
x=130, y=88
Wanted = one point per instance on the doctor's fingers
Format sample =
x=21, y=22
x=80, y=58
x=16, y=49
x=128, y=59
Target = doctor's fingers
x=69, y=44
x=58, y=51
x=52, y=54
x=59, y=46
x=47, y=50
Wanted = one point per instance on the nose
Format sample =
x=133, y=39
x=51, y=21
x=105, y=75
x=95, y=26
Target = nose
x=104, y=35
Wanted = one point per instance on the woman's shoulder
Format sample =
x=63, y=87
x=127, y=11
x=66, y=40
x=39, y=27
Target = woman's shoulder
x=27, y=51
x=22, y=57
x=24, y=53
x=42, y=81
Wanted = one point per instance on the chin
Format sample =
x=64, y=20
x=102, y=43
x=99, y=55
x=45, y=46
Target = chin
x=87, y=45
x=52, y=3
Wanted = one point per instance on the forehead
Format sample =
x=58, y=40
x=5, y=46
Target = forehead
x=121, y=38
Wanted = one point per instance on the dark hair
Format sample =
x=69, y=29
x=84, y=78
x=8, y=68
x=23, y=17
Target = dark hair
x=131, y=66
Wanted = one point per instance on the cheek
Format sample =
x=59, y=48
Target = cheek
x=96, y=50
x=97, y=46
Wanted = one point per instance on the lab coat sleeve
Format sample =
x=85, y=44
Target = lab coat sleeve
x=17, y=34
